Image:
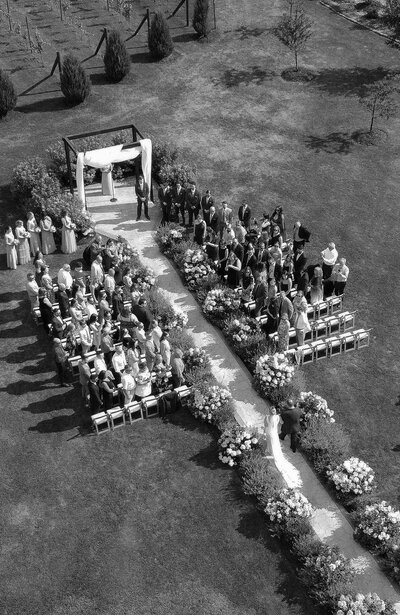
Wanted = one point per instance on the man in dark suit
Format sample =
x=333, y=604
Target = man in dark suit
x=164, y=196
x=142, y=194
x=178, y=195
x=284, y=305
x=206, y=202
x=94, y=395
x=192, y=203
x=214, y=220
x=143, y=314
x=262, y=254
x=57, y=323
x=237, y=249
x=303, y=281
x=245, y=215
x=249, y=259
x=260, y=293
x=299, y=263
x=291, y=424
x=63, y=300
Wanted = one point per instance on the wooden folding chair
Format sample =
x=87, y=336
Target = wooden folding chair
x=362, y=338
x=347, y=320
x=134, y=412
x=116, y=417
x=101, y=422
x=334, y=345
x=320, y=349
x=150, y=406
x=348, y=340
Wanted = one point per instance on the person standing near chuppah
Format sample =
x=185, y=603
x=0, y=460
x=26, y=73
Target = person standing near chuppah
x=22, y=235
x=107, y=184
x=48, y=230
x=68, y=240
x=34, y=232
x=11, y=249
x=142, y=194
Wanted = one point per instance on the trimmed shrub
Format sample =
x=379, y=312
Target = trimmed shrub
x=326, y=444
x=8, y=96
x=75, y=83
x=117, y=62
x=259, y=477
x=163, y=155
x=201, y=17
x=54, y=205
x=184, y=173
x=160, y=41
x=25, y=176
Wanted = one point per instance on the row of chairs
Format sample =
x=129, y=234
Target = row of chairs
x=323, y=327
x=328, y=307
x=338, y=344
x=135, y=411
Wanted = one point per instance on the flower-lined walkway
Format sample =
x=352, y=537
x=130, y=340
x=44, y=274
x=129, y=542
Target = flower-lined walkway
x=328, y=521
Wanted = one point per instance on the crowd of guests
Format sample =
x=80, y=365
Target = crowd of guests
x=27, y=241
x=103, y=312
x=260, y=256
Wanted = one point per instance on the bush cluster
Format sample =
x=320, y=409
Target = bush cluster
x=117, y=62
x=75, y=83
x=160, y=41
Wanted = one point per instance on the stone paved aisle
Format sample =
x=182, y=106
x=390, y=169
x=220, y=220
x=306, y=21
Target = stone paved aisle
x=329, y=520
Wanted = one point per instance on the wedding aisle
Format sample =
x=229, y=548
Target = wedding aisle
x=329, y=521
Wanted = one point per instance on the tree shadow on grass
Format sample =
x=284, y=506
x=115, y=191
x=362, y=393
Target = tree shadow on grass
x=348, y=81
x=186, y=37
x=26, y=386
x=234, y=77
x=49, y=105
x=208, y=457
x=333, y=143
x=21, y=330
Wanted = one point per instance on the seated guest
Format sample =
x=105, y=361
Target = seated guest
x=177, y=368
x=143, y=382
x=128, y=385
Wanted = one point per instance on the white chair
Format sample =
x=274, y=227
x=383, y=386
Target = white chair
x=117, y=417
x=150, y=406
x=348, y=340
x=347, y=320
x=304, y=354
x=335, y=303
x=101, y=422
x=262, y=319
x=334, y=345
x=249, y=306
x=322, y=309
x=134, y=412
x=362, y=338
x=334, y=324
x=183, y=392
x=320, y=349
x=312, y=311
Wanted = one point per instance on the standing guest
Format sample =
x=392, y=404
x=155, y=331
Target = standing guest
x=60, y=359
x=262, y=253
x=63, y=300
x=108, y=254
x=46, y=310
x=68, y=240
x=149, y=350
x=288, y=266
x=133, y=357
x=214, y=222
x=225, y=215
x=276, y=237
x=48, y=230
x=285, y=283
x=192, y=202
x=78, y=275
x=234, y=267
x=57, y=324
x=212, y=246
x=340, y=275
x=165, y=349
x=301, y=323
x=46, y=282
x=84, y=378
x=142, y=194
x=303, y=282
x=240, y=232
x=127, y=280
x=85, y=335
x=107, y=184
x=276, y=253
x=316, y=286
x=271, y=310
x=228, y=235
x=118, y=363
x=38, y=263
x=143, y=314
x=249, y=259
x=128, y=385
x=278, y=218
x=104, y=306
x=285, y=306
x=21, y=235
x=111, y=394
x=245, y=215
x=95, y=330
x=329, y=258
x=143, y=382
x=99, y=362
x=33, y=290
x=96, y=275
x=299, y=264
x=260, y=292
x=283, y=333
x=75, y=312
x=263, y=271
x=200, y=230
x=247, y=284
x=70, y=339
x=117, y=302
x=91, y=309
x=92, y=250
x=64, y=277
x=237, y=249
x=206, y=203
x=165, y=198
x=95, y=401
x=11, y=249
x=109, y=284
x=177, y=368
x=107, y=344
x=178, y=199
x=265, y=227
x=300, y=235
x=157, y=334
x=81, y=303
x=127, y=319
x=34, y=232
x=223, y=255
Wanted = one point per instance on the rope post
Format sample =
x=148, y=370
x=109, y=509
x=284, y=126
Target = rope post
x=29, y=34
x=148, y=20
x=8, y=15
x=187, y=13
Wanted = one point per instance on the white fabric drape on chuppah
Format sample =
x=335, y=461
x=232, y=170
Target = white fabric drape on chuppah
x=99, y=158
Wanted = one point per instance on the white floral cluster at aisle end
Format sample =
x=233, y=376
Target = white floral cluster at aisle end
x=233, y=443
x=361, y=604
x=195, y=267
x=353, y=476
x=287, y=504
x=274, y=371
x=379, y=524
x=222, y=301
x=312, y=405
x=208, y=404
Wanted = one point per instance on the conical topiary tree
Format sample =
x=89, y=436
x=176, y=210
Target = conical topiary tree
x=117, y=62
x=8, y=97
x=201, y=17
x=160, y=41
x=75, y=84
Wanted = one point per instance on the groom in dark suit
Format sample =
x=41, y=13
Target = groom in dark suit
x=291, y=424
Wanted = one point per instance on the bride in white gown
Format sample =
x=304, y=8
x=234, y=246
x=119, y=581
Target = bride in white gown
x=274, y=450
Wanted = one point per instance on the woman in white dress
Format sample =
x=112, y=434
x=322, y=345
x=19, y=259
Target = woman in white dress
x=317, y=290
x=34, y=231
x=48, y=230
x=107, y=180
x=22, y=236
x=11, y=249
x=273, y=449
x=301, y=323
x=68, y=241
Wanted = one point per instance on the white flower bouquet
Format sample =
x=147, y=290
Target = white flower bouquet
x=195, y=357
x=143, y=279
x=287, y=504
x=220, y=302
x=273, y=371
x=353, y=477
x=233, y=443
x=169, y=235
x=378, y=525
x=179, y=320
x=208, y=404
x=195, y=267
x=241, y=329
x=314, y=405
x=362, y=604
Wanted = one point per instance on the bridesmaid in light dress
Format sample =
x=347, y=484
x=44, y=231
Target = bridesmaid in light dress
x=34, y=231
x=48, y=230
x=11, y=249
x=68, y=241
x=23, y=246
